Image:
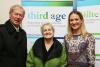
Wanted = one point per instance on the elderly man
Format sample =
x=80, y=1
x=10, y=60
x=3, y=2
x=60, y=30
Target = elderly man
x=13, y=41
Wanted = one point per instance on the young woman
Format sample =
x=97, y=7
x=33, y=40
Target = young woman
x=47, y=51
x=80, y=43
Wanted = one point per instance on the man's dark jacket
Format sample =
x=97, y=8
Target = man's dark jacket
x=13, y=46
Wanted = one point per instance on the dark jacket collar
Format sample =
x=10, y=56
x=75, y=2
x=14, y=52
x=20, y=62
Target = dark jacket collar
x=10, y=28
x=55, y=50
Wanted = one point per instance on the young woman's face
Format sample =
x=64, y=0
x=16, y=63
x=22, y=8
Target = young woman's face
x=48, y=31
x=75, y=22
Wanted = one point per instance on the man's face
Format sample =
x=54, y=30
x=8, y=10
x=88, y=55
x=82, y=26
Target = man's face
x=16, y=16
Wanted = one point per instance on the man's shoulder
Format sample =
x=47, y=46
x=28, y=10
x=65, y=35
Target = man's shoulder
x=2, y=26
x=22, y=30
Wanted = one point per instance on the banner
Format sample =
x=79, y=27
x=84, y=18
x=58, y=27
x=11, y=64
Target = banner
x=91, y=12
x=42, y=11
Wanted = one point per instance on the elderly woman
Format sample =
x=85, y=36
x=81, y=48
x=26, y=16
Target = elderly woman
x=47, y=51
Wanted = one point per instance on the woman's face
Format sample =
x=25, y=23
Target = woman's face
x=48, y=31
x=75, y=22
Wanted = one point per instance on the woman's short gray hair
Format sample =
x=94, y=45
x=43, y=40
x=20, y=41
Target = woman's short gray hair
x=48, y=24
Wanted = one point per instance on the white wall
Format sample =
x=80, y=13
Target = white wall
x=4, y=8
x=97, y=63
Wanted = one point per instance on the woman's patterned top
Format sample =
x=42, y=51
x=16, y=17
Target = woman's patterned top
x=81, y=50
